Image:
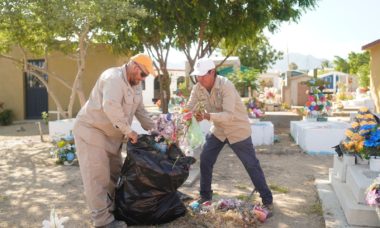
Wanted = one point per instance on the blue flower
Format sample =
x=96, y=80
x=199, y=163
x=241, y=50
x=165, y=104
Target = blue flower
x=70, y=156
x=367, y=127
x=373, y=140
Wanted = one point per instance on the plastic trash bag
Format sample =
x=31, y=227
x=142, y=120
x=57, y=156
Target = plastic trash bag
x=146, y=193
x=195, y=135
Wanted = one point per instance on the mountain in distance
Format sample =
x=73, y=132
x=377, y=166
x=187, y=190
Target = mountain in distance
x=304, y=62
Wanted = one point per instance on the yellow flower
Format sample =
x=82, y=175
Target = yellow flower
x=61, y=143
x=369, y=116
x=350, y=145
x=359, y=116
x=363, y=109
x=372, y=122
x=349, y=133
x=355, y=124
x=362, y=123
x=356, y=137
x=359, y=146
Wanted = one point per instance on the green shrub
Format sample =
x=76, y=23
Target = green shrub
x=45, y=117
x=6, y=117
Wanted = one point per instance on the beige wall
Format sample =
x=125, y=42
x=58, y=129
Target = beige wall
x=292, y=93
x=12, y=92
x=12, y=85
x=375, y=75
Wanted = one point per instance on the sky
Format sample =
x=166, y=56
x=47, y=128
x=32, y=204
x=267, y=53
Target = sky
x=333, y=28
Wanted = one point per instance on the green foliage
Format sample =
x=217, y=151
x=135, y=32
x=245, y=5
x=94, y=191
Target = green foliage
x=342, y=93
x=45, y=117
x=357, y=61
x=357, y=64
x=256, y=53
x=293, y=66
x=244, y=79
x=341, y=65
x=316, y=208
x=241, y=187
x=184, y=90
x=6, y=117
x=363, y=74
x=285, y=106
x=325, y=64
x=205, y=24
x=246, y=198
x=278, y=188
x=316, y=83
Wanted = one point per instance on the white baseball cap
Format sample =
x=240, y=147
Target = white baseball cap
x=202, y=66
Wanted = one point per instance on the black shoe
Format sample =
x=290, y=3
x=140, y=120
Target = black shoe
x=269, y=208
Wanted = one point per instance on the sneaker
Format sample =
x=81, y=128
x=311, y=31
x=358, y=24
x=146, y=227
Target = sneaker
x=202, y=200
x=269, y=208
x=116, y=224
x=196, y=204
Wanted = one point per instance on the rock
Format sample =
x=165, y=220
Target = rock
x=20, y=129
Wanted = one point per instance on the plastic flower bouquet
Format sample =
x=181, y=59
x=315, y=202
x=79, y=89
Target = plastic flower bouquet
x=363, y=136
x=373, y=193
x=64, y=150
x=253, y=109
x=269, y=95
x=317, y=104
x=179, y=128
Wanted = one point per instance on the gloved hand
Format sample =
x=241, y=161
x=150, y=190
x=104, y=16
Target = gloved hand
x=132, y=136
x=199, y=116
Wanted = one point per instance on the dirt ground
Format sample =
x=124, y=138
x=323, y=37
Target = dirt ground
x=31, y=183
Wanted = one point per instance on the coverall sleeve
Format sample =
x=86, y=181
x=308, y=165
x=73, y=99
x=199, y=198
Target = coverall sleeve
x=193, y=99
x=143, y=116
x=112, y=105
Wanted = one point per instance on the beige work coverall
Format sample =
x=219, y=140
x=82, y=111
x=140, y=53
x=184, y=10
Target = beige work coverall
x=227, y=112
x=99, y=129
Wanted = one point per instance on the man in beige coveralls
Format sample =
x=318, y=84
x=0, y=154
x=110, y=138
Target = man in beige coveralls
x=100, y=127
x=231, y=126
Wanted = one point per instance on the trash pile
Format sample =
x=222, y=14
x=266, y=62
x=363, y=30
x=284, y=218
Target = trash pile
x=146, y=192
x=248, y=212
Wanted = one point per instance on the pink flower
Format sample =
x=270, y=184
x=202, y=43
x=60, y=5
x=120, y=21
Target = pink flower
x=187, y=116
x=373, y=197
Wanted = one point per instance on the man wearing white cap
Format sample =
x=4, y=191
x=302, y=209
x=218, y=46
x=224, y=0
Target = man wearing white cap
x=100, y=127
x=229, y=117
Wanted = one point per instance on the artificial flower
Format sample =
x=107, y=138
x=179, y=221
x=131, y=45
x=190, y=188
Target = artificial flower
x=373, y=193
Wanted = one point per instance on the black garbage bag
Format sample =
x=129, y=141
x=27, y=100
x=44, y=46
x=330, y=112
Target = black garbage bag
x=146, y=193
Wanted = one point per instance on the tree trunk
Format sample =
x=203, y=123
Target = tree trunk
x=165, y=90
x=36, y=71
x=77, y=85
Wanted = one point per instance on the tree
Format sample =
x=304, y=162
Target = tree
x=293, y=66
x=325, y=64
x=184, y=24
x=357, y=65
x=39, y=27
x=204, y=24
x=244, y=79
x=341, y=64
x=357, y=60
x=257, y=53
x=155, y=33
